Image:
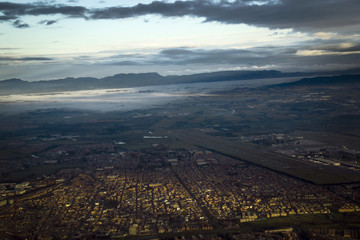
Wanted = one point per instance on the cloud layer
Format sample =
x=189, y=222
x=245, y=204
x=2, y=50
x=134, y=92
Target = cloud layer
x=277, y=57
x=310, y=15
x=24, y=59
x=312, y=35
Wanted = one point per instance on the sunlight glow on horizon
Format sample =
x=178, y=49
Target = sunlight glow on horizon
x=58, y=42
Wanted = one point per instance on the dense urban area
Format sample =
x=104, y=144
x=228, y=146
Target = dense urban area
x=280, y=162
x=160, y=190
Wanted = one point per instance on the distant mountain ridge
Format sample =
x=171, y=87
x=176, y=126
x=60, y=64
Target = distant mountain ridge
x=17, y=86
x=324, y=80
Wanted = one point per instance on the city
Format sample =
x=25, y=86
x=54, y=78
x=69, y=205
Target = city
x=158, y=191
x=180, y=119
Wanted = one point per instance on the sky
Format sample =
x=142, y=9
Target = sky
x=44, y=40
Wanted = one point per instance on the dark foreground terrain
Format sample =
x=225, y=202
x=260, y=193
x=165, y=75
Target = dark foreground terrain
x=273, y=162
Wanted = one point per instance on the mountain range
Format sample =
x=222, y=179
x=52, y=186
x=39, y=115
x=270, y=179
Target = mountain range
x=18, y=86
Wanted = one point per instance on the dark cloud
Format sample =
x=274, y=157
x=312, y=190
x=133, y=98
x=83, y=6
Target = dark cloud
x=20, y=24
x=176, y=9
x=35, y=59
x=11, y=11
x=217, y=56
x=187, y=57
x=125, y=63
x=25, y=59
x=340, y=47
x=176, y=52
x=275, y=56
x=7, y=18
x=306, y=15
x=71, y=11
x=48, y=22
x=15, y=7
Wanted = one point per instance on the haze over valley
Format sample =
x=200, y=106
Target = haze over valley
x=207, y=119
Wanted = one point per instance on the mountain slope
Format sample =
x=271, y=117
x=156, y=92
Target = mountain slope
x=324, y=80
x=17, y=86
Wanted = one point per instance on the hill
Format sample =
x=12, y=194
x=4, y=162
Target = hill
x=18, y=86
x=324, y=80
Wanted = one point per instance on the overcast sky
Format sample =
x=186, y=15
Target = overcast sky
x=42, y=40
